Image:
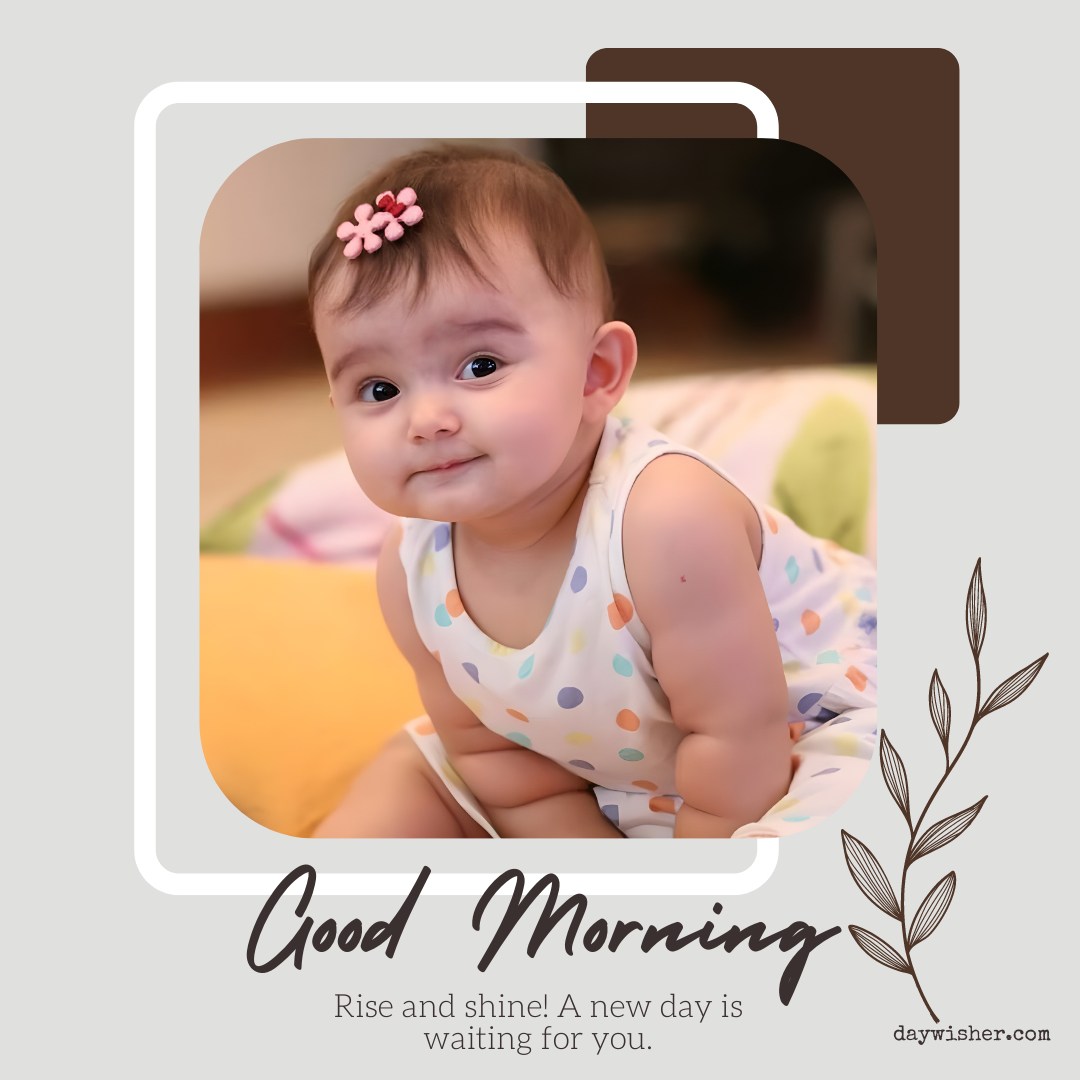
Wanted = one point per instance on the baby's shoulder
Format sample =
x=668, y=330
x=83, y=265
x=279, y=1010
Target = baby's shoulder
x=676, y=494
x=686, y=525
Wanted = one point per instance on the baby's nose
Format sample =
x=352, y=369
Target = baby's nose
x=431, y=416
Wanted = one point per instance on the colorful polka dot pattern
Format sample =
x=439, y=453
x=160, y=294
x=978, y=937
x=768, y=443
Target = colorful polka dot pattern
x=620, y=612
x=856, y=678
x=570, y=697
x=583, y=692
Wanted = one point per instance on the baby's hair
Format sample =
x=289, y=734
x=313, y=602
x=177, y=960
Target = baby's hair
x=465, y=190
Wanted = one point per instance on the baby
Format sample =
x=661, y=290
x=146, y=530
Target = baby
x=609, y=637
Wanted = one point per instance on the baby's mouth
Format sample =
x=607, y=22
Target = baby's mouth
x=448, y=466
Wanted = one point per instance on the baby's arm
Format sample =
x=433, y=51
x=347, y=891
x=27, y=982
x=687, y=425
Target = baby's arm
x=691, y=544
x=522, y=792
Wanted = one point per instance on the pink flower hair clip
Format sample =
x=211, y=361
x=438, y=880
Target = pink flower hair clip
x=394, y=212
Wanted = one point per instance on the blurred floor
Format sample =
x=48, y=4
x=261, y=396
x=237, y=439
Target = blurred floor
x=251, y=431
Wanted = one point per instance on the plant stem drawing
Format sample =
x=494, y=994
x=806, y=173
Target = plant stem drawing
x=864, y=867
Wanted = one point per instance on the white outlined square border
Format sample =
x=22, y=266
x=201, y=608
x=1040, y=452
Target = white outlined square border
x=145, y=459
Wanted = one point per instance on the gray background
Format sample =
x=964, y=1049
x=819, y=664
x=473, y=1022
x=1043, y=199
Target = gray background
x=104, y=968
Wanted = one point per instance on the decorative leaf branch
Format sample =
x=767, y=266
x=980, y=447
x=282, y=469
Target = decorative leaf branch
x=864, y=867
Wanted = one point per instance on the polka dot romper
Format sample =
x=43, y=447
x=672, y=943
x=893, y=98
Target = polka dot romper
x=584, y=693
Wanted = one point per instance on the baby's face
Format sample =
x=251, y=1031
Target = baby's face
x=470, y=404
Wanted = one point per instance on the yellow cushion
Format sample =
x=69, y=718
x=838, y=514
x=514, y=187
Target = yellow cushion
x=300, y=684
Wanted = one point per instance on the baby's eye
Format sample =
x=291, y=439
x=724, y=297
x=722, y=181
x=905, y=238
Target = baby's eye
x=377, y=390
x=479, y=367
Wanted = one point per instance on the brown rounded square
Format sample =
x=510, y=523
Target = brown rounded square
x=889, y=118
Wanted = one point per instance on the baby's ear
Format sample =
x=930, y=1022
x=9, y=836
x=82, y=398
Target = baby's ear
x=614, y=356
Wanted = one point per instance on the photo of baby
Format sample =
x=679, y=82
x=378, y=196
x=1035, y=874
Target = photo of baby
x=611, y=633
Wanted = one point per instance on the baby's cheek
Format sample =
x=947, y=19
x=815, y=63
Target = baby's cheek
x=369, y=471
x=546, y=426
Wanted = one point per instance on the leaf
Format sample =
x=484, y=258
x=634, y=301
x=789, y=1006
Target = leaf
x=1013, y=687
x=869, y=876
x=945, y=831
x=940, y=710
x=878, y=950
x=976, y=611
x=892, y=768
x=932, y=909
